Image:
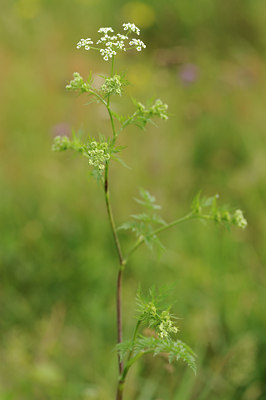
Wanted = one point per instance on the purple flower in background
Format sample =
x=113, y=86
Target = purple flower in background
x=188, y=74
x=61, y=129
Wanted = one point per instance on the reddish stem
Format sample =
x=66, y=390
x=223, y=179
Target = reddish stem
x=120, y=386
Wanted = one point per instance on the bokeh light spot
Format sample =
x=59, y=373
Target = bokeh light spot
x=139, y=13
x=27, y=9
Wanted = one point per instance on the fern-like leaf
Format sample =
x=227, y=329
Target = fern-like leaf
x=147, y=200
x=144, y=224
x=175, y=350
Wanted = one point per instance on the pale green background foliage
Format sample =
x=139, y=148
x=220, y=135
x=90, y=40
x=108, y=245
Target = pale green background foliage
x=206, y=59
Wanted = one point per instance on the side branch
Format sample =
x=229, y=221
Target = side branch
x=187, y=217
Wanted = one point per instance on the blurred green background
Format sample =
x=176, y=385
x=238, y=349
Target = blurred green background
x=206, y=59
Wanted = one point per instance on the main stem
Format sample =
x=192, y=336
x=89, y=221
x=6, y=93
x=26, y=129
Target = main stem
x=119, y=395
x=122, y=261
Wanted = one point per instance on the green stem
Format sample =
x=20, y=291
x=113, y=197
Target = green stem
x=187, y=217
x=110, y=216
x=130, y=361
x=106, y=104
x=112, y=66
x=112, y=73
x=129, y=364
x=98, y=96
x=112, y=122
x=133, y=340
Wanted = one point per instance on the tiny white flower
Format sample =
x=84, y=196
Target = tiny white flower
x=122, y=37
x=105, y=30
x=239, y=219
x=131, y=28
x=120, y=45
x=138, y=43
x=85, y=43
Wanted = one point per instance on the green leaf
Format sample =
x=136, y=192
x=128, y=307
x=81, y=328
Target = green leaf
x=122, y=162
x=147, y=200
x=175, y=350
x=125, y=347
x=142, y=217
x=144, y=224
x=157, y=296
x=130, y=225
x=120, y=118
x=157, y=219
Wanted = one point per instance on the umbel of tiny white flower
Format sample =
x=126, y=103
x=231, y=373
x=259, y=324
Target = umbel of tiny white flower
x=112, y=86
x=138, y=44
x=131, y=28
x=158, y=320
x=218, y=214
x=111, y=43
x=158, y=109
x=97, y=153
x=77, y=83
x=84, y=43
x=239, y=219
x=166, y=326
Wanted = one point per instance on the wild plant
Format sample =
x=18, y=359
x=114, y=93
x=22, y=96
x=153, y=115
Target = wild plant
x=153, y=311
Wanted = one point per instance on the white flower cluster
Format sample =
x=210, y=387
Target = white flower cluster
x=107, y=53
x=151, y=310
x=166, y=326
x=61, y=143
x=78, y=84
x=112, y=86
x=239, y=219
x=112, y=43
x=131, y=28
x=105, y=30
x=98, y=154
x=138, y=44
x=122, y=37
x=158, y=109
x=84, y=43
x=161, y=322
